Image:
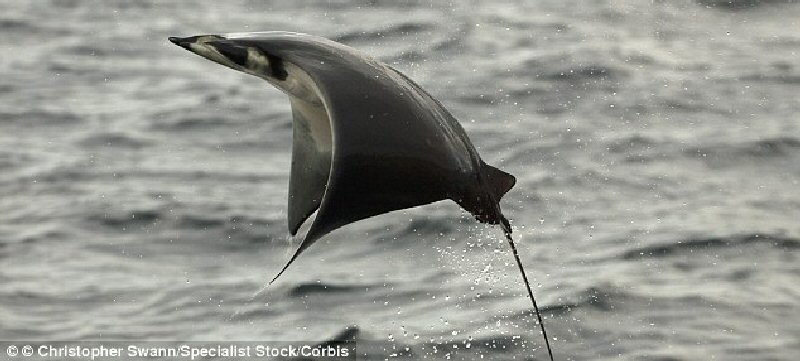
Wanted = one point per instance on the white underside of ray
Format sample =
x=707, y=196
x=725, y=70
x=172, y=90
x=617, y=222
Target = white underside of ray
x=200, y=47
x=312, y=149
x=316, y=123
x=312, y=144
x=312, y=152
x=311, y=160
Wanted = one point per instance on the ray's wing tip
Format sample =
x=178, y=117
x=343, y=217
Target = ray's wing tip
x=182, y=42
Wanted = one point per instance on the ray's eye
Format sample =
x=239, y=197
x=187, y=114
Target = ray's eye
x=236, y=54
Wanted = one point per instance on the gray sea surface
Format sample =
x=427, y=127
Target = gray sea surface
x=656, y=146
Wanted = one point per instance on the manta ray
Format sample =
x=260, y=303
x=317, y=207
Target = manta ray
x=367, y=140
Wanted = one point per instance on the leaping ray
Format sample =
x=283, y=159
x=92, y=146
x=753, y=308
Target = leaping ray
x=366, y=139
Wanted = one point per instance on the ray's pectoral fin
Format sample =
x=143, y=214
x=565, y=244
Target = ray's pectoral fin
x=311, y=161
x=311, y=166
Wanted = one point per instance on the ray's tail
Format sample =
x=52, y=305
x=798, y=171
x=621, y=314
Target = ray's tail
x=507, y=231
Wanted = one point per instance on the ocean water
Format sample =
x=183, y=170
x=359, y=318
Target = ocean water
x=656, y=146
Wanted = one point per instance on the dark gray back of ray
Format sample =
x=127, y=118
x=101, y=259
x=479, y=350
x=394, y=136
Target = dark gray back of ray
x=394, y=146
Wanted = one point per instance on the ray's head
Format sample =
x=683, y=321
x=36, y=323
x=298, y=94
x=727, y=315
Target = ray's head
x=236, y=54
